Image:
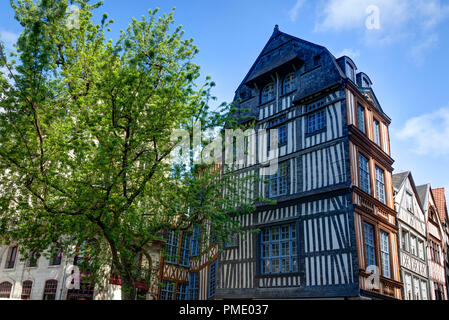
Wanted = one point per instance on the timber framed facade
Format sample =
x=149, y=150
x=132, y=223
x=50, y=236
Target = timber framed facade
x=313, y=242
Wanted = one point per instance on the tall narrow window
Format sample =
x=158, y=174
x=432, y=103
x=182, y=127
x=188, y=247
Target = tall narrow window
x=57, y=258
x=377, y=132
x=32, y=261
x=184, y=259
x=282, y=136
x=289, y=83
x=5, y=290
x=361, y=118
x=424, y=290
x=193, y=286
x=413, y=245
x=370, y=253
x=278, y=182
x=316, y=122
x=279, y=250
x=409, y=201
x=421, y=249
x=212, y=279
x=167, y=290
x=385, y=251
x=417, y=289
x=364, y=174
x=50, y=289
x=195, y=245
x=171, y=247
x=380, y=184
x=408, y=287
x=267, y=93
x=11, y=258
x=404, y=240
x=26, y=290
x=182, y=292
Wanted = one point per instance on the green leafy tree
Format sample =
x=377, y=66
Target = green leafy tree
x=85, y=127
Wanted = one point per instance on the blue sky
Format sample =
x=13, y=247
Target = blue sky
x=406, y=58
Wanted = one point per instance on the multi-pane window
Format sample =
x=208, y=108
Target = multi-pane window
x=56, y=260
x=212, y=279
x=193, y=286
x=368, y=231
x=26, y=290
x=267, y=93
x=421, y=249
x=380, y=184
x=5, y=290
x=413, y=245
x=364, y=173
x=361, y=117
x=289, y=83
x=184, y=257
x=409, y=201
x=167, y=290
x=50, y=290
x=316, y=122
x=11, y=258
x=385, y=252
x=376, y=127
x=171, y=247
x=439, y=294
x=278, y=181
x=32, y=261
x=279, y=250
x=195, y=242
x=404, y=240
x=408, y=287
x=424, y=290
x=282, y=136
x=417, y=289
x=231, y=241
x=182, y=292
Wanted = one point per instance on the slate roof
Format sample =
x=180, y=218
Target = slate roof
x=422, y=194
x=399, y=178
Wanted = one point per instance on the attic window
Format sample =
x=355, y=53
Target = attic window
x=350, y=71
x=267, y=93
x=289, y=83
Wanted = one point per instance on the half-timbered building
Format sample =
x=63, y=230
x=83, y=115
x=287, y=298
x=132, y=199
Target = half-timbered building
x=411, y=222
x=435, y=238
x=333, y=229
x=441, y=204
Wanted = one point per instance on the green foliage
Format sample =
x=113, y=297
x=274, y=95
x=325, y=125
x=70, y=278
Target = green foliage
x=85, y=128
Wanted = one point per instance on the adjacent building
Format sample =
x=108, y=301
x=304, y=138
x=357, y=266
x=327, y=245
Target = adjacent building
x=411, y=221
x=435, y=242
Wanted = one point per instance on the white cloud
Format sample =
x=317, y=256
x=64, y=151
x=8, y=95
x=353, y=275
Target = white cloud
x=354, y=54
x=9, y=38
x=428, y=133
x=418, y=51
x=293, y=13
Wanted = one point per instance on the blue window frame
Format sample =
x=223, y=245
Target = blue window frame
x=195, y=242
x=289, y=83
x=231, y=241
x=171, y=247
x=377, y=132
x=282, y=136
x=279, y=181
x=368, y=231
x=212, y=279
x=278, y=250
x=182, y=292
x=361, y=118
x=385, y=252
x=193, y=286
x=267, y=93
x=316, y=122
x=380, y=184
x=167, y=290
x=364, y=174
x=185, y=250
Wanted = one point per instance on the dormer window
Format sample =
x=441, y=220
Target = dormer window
x=350, y=71
x=267, y=93
x=289, y=83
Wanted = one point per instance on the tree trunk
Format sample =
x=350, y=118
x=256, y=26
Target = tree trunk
x=128, y=288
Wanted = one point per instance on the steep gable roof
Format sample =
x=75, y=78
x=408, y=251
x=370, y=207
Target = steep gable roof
x=423, y=194
x=399, y=178
x=440, y=202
